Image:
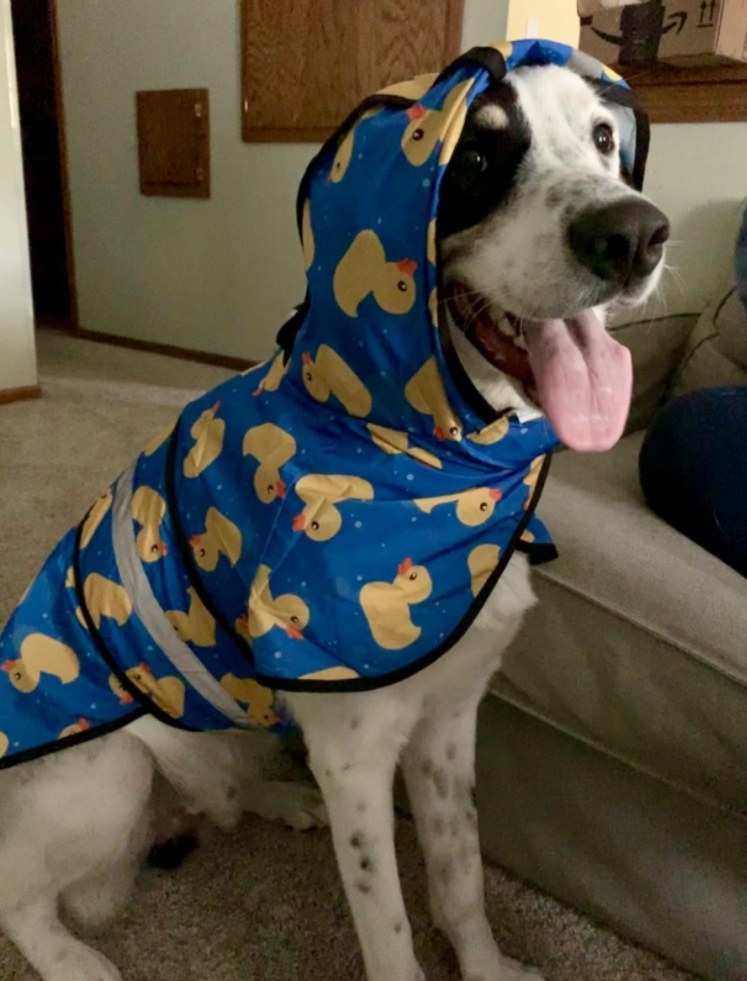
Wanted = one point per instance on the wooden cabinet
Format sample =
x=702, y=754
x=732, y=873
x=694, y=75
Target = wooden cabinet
x=174, y=142
x=307, y=63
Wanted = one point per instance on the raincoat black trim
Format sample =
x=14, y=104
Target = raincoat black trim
x=47, y=749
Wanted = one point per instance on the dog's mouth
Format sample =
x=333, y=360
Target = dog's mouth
x=571, y=368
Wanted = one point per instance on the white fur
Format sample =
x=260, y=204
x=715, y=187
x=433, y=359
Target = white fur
x=74, y=825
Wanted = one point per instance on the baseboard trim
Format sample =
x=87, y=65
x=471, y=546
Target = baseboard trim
x=170, y=350
x=20, y=394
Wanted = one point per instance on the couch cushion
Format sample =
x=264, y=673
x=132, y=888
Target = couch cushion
x=638, y=644
x=717, y=351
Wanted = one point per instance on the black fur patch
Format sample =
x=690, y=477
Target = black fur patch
x=482, y=171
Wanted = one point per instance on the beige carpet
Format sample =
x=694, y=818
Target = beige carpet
x=263, y=904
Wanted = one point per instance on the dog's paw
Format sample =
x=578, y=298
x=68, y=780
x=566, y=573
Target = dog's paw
x=511, y=970
x=83, y=963
x=304, y=808
x=297, y=805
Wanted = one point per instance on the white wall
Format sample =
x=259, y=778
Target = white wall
x=697, y=174
x=484, y=21
x=217, y=275
x=17, y=354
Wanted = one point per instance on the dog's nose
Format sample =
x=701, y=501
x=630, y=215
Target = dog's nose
x=620, y=240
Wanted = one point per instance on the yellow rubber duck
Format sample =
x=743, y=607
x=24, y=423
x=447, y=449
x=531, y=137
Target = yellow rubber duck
x=473, y=507
x=149, y=509
x=320, y=520
x=386, y=605
x=196, y=625
x=221, y=537
x=288, y=612
x=272, y=448
x=208, y=433
x=40, y=655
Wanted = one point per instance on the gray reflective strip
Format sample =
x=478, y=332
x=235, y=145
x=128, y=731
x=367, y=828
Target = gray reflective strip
x=153, y=617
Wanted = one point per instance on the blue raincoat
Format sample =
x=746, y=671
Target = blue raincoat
x=332, y=520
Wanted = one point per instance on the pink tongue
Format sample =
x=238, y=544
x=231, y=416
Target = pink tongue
x=584, y=380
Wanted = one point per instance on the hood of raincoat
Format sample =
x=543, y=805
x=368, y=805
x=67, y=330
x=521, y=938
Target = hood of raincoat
x=368, y=209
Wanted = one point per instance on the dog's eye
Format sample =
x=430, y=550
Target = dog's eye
x=604, y=138
x=472, y=161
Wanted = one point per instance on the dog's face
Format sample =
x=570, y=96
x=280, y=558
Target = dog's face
x=540, y=234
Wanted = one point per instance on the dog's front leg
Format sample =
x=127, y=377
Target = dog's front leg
x=354, y=744
x=439, y=767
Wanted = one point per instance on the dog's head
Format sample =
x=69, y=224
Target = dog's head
x=541, y=233
x=464, y=235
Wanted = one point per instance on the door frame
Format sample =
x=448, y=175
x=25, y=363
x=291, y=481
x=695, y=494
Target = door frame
x=73, y=322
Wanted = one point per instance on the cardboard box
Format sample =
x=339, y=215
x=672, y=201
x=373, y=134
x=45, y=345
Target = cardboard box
x=679, y=32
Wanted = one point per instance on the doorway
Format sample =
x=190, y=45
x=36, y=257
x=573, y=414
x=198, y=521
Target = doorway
x=44, y=162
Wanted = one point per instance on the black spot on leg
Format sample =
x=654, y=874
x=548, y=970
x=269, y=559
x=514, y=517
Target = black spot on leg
x=346, y=767
x=364, y=887
x=398, y=926
x=367, y=864
x=357, y=840
x=355, y=724
x=328, y=773
x=439, y=777
x=441, y=782
x=361, y=807
x=451, y=752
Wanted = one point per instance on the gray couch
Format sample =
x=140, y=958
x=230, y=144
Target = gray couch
x=613, y=745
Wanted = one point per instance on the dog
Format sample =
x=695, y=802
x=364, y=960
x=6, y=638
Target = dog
x=540, y=232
